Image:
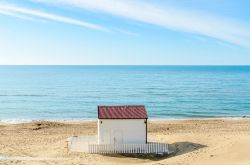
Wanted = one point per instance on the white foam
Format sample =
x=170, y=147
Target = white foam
x=15, y=121
x=28, y=158
x=207, y=118
x=20, y=121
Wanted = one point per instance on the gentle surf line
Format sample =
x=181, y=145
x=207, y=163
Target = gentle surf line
x=93, y=120
x=28, y=158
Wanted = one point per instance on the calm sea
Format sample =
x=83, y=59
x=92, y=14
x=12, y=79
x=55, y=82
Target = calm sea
x=168, y=92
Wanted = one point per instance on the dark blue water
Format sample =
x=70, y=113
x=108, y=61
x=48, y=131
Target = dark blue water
x=73, y=92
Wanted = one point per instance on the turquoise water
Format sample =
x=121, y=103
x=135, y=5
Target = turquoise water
x=73, y=92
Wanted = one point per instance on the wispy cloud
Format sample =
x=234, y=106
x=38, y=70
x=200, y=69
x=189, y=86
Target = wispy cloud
x=17, y=15
x=173, y=18
x=30, y=14
x=129, y=33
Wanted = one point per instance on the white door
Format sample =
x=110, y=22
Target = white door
x=118, y=137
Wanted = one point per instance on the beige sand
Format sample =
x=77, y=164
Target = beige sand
x=222, y=142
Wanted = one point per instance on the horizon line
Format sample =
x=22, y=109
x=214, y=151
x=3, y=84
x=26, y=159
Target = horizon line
x=124, y=64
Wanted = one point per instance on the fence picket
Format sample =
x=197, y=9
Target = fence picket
x=128, y=148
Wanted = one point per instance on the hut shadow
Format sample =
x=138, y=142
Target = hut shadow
x=176, y=149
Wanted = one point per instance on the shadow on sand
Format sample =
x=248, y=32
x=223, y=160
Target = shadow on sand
x=176, y=149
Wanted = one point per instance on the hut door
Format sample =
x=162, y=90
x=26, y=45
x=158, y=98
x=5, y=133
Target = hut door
x=118, y=137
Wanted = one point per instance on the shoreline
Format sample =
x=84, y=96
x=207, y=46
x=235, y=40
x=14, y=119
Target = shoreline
x=75, y=121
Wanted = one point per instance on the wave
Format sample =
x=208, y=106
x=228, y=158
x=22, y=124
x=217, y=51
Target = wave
x=21, y=121
x=16, y=121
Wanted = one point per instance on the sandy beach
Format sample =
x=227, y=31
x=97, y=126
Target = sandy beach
x=195, y=142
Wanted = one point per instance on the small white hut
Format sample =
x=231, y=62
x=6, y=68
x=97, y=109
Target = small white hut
x=122, y=125
x=121, y=129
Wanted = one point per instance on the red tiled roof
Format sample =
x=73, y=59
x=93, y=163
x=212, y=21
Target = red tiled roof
x=122, y=112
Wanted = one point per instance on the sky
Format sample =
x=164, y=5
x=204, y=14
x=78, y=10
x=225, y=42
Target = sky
x=124, y=32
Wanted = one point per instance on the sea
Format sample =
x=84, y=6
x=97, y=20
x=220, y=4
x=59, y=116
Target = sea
x=29, y=93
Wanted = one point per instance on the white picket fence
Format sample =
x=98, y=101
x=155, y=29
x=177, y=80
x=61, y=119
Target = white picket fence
x=88, y=144
x=128, y=148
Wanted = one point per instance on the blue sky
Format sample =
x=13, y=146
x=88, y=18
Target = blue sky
x=128, y=32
